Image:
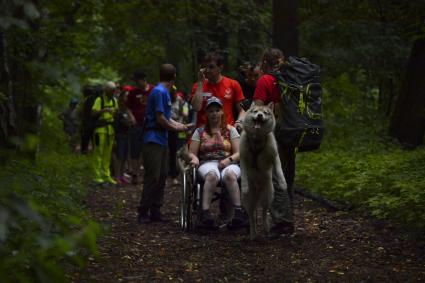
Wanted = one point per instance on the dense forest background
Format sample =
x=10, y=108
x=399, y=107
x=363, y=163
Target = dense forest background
x=372, y=55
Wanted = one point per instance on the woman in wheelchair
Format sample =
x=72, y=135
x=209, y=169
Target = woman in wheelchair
x=215, y=149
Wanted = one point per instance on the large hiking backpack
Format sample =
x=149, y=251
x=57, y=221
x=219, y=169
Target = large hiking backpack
x=88, y=120
x=299, y=121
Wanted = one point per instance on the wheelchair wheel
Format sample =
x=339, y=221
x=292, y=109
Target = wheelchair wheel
x=185, y=203
x=197, y=204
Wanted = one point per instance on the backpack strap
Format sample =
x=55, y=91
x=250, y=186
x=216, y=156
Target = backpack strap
x=102, y=102
x=101, y=122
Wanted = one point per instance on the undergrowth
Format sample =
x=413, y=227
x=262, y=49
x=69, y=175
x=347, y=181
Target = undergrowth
x=44, y=228
x=360, y=164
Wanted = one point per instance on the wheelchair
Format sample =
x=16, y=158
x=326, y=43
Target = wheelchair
x=191, y=200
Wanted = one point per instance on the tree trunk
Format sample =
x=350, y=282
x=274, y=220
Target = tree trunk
x=7, y=105
x=408, y=120
x=386, y=96
x=285, y=26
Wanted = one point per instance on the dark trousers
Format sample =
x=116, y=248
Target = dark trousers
x=86, y=136
x=282, y=209
x=287, y=157
x=155, y=160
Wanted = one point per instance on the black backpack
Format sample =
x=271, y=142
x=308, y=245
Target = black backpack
x=299, y=121
x=88, y=120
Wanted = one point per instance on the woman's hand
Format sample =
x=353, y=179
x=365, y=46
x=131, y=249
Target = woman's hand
x=194, y=162
x=224, y=163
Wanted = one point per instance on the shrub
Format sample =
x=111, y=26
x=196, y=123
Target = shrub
x=360, y=164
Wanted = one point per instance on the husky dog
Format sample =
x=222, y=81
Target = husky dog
x=259, y=157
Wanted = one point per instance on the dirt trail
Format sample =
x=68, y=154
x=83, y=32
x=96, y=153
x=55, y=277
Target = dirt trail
x=327, y=246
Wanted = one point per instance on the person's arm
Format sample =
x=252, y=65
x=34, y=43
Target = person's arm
x=241, y=115
x=241, y=112
x=97, y=110
x=159, y=101
x=235, y=149
x=234, y=157
x=169, y=124
x=197, y=97
x=132, y=118
x=194, y=150
x=261, y=93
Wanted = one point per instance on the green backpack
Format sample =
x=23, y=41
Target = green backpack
x=300, y=121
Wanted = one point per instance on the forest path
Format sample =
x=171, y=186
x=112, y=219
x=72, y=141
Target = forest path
x=327, y=246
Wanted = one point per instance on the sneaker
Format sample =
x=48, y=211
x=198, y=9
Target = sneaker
x=123, y=181
x=282, y=229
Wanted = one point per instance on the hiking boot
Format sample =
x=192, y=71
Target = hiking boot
x=281, y=229
x=207, y=220
x=239, y=219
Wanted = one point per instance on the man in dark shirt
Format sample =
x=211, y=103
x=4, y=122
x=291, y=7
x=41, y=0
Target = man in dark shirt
x=136, y=102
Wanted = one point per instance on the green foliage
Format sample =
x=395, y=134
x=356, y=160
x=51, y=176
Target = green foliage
x=43, y=226
x=360, y=164
x=54, y=47
x=388, y=182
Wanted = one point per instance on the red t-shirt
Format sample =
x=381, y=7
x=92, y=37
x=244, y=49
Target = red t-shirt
x=128, y=88
x=267, y=89
x=136, y=102
x=227, y=90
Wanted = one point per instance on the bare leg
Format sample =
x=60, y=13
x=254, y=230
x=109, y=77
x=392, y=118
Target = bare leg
x=211, y=181
x=232, y=187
